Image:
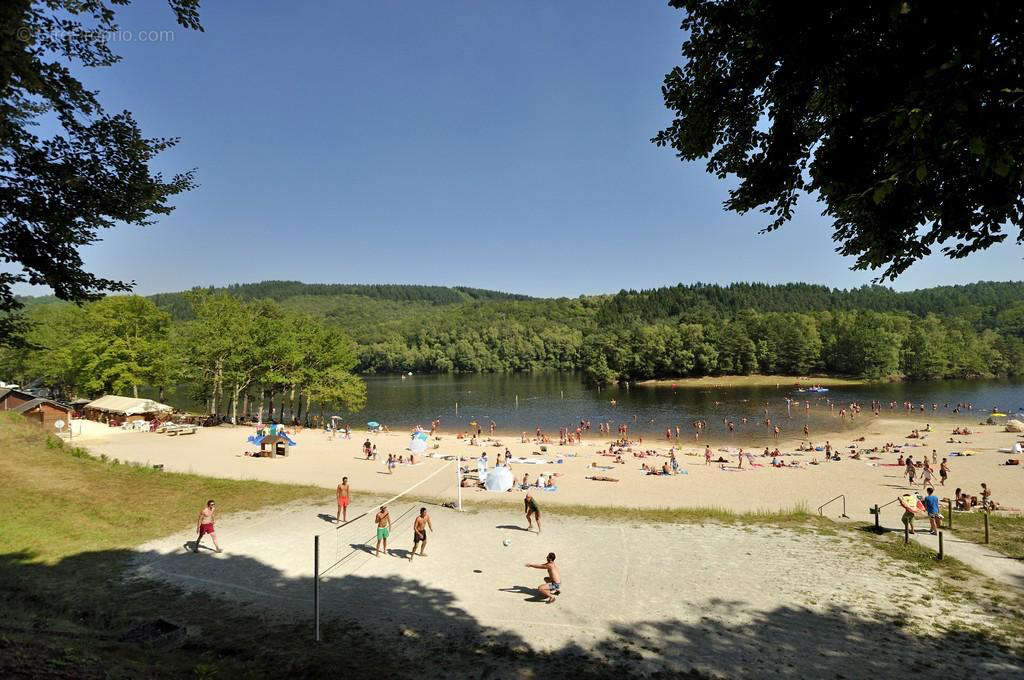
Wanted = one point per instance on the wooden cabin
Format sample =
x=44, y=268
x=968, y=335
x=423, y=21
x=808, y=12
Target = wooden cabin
x=45, y=412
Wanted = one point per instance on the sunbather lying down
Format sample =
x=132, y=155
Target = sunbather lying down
x=602, y=478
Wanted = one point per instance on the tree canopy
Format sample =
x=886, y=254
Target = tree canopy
x=58, y=190
x=310, y=347
x=905, y=118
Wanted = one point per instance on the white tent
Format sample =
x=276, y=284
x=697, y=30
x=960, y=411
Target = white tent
x=129, y=406
x=417, y=445
x=499, y=479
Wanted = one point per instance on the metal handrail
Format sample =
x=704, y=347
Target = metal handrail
x=843, y=496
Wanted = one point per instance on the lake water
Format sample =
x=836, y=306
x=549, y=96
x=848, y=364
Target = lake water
x=524, y=402
x=554, y=400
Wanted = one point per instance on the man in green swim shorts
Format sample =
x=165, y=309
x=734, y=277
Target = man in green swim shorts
x=383, y=520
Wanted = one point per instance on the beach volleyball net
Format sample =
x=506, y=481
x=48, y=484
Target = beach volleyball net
x=347, y=546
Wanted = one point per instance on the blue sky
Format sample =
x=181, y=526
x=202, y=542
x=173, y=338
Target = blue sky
x=495, y=145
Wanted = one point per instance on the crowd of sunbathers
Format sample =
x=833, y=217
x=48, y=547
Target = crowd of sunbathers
x=670, y=467
x=963, y=501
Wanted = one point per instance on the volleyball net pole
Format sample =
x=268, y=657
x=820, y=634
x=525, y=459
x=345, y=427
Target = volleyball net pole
x=316, y=588
x=458, y=479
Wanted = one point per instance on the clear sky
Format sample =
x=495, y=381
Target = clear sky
x=496, y=145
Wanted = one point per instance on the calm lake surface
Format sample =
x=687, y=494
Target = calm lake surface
x=554, y=400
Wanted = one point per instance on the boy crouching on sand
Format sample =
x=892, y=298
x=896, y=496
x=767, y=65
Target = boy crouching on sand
x=552, y=585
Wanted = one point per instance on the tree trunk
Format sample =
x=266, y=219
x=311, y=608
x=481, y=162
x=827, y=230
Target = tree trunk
x=216, y=390
x=245, y=405
x=234, y=405
x=270, y=406
x=259, y=411
x=291, y=405
x=135, y=391
x=160, y=394
x=298, y=414
x=220, y=396
x=280, y=410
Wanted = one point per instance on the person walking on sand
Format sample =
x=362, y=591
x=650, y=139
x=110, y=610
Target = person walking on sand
x=552, y=585
x=926, y=474
x=419, y=533
x=707, y=455
x=204, y=525
x=532, y=512
x=383, y=520
x=943, y=472
x=931, y=506
x=908, y=515
x=740, y=457
x=342, y=501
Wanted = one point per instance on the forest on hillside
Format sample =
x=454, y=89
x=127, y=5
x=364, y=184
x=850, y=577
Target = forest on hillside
x=964, y=331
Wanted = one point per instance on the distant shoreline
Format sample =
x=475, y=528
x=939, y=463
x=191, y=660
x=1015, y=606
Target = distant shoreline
x=755, y=380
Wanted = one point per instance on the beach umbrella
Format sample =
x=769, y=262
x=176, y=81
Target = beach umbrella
x=373, y=423
x=499, y=479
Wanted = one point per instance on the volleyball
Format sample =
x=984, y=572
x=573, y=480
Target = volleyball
x=506, y=543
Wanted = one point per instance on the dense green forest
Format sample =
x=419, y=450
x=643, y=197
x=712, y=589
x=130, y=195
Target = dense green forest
x=965, y=331
x=239, y=357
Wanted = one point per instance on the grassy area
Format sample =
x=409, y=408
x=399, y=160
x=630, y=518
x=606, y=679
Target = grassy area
x=957, y=582
x=1006, y=534
x=798, y=515
x=59, y=501
x=755, y=381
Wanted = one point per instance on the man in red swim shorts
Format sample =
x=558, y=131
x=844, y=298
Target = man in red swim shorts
x=342, y=501
x=204, y=525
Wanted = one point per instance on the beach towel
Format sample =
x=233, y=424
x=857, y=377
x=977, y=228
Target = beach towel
x=551, y=488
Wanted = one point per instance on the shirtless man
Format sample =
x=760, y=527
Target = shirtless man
x=342, y=501
x=383, y=520
x=204, y=525
x=419, y=533
x=532, y=512
x=553, y=581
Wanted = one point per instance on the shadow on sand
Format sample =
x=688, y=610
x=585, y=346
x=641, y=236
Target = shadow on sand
x=402, y=628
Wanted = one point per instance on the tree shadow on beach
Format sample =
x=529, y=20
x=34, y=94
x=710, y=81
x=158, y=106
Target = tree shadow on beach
x=74, y=614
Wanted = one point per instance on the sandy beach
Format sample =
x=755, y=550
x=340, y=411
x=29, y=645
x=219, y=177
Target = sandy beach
x=322, y=460
x=710, y=612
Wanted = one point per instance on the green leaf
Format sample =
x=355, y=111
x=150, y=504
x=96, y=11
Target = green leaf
x=977, y=145
x=922, y=172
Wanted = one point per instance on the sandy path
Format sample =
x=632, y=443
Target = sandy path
x=735, y=601
x=321, y=461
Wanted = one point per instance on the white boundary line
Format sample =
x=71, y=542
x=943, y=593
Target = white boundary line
x=213, y=582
